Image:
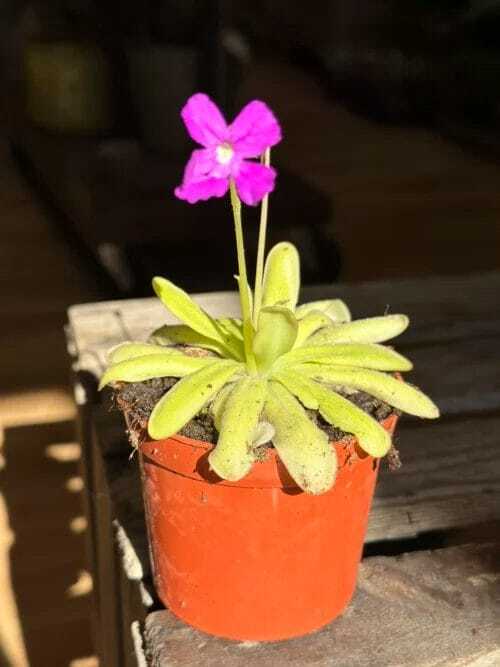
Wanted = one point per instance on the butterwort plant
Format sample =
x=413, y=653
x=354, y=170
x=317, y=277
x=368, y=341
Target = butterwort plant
x=259, y=374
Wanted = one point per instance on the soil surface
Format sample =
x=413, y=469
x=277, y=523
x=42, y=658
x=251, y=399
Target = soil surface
x=137, y=400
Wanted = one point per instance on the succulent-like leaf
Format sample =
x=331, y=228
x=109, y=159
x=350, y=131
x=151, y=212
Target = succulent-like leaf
x=336, y=310
x=369, y=330
x=188, y=397
x=297, y=386
x=263, y=433
x=348, y=354
x=126, y=351
x=154, y=366
x=275, y=335
x=310, y=324
x=342, y=413
x=181, y=334
x=302, y=446
x=186, y=310
x=387, y=388
x=231, y=325
x=249, y=291
x=233, y=455
x=219, y=402
x=282, y=276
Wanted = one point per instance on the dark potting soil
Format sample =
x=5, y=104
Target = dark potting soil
x=137, y=400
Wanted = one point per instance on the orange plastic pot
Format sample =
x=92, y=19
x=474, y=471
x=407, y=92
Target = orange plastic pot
x=256, y=559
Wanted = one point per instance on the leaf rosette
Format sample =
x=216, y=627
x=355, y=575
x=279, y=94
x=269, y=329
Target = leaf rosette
x=302, y=357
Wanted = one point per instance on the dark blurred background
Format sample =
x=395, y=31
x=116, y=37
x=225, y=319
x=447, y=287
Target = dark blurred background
x=389, y=167
x=390, y=111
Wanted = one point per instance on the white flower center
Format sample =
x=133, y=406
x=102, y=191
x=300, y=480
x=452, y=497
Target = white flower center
x=224, y=153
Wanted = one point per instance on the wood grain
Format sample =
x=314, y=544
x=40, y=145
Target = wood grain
x=450, y=478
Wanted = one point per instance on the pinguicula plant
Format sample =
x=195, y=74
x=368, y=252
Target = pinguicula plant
x=258, y=375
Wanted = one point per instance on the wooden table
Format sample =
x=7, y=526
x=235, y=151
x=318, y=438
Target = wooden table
x=429, y=585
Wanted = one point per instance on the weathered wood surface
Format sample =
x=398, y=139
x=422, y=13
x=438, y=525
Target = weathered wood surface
x=135, y=599
x=122, y=587
x=416, y=610
x=450, y=480
x=86, y=468
x=97, y=327
x=106, y=596
x=441, y=310
x=429, y=302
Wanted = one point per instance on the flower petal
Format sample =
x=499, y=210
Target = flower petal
x=203, y=189
x=254, y=181
x=204, y=177
x=254, y=129
x=201, y=163
x=204, y=121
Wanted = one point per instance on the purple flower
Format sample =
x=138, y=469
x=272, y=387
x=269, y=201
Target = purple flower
x=225, y=149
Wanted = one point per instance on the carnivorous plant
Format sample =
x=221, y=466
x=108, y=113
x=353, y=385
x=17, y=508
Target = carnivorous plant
x=259, y=374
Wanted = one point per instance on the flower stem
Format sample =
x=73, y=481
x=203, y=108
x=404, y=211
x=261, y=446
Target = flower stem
x=246, y=310
x=259, y=271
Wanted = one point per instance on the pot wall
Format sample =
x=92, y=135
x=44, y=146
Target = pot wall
x=257, y=559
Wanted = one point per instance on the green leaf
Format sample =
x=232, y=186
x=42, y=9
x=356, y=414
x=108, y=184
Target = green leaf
x=232, y=326
x=234, y=455
x=276, y=335
x=310, y=324
x=126, y=351
x=297, y=386
x=370, y=330
x=340, y=412
x=263, y=433
x=400, y=395
x=185, y=309
x=188, y=397
x=302, y=446
x=154, y=366
x=181, y=334
x=249, y=291
x=348, y=354
x=219, y=402
x=282, y=276
x=335, y=309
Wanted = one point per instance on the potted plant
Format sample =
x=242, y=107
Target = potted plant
x=259, y=437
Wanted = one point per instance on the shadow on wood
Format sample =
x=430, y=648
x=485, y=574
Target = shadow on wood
x=47, y=557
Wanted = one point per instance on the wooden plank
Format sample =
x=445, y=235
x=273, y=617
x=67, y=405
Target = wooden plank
x=427, y=301
x=450, y=479
x=461, y=375
x=96, y=327
x=138, y=642
x=440, y=309
x=124, y=590
x=124, y=577
x=84, y=425
x=415, y=610
x=107, y=589
x=135, y=600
